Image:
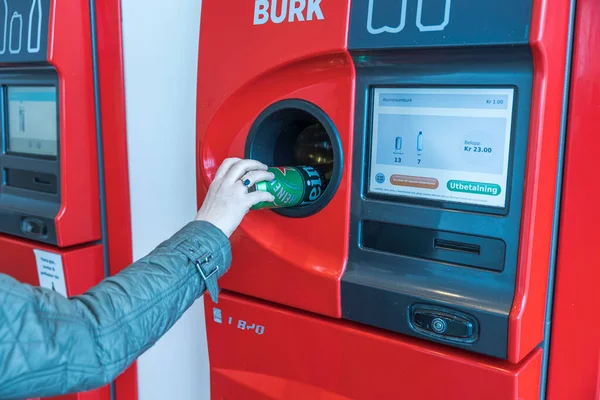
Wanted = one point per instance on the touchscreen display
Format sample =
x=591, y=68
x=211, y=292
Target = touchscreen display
x=32, y=120
x=449, y=145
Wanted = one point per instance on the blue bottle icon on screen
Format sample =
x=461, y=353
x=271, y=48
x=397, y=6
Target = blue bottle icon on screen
x=21, y=118
x=420, y=142
x=398, y=143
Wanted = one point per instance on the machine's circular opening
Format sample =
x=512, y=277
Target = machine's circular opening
x=294, y=133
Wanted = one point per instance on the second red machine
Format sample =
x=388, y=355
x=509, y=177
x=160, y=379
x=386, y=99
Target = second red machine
x=427, y=258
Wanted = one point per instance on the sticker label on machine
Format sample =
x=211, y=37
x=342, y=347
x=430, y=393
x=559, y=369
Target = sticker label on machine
x=449, y=145
x=50, y=269
x=240, y=324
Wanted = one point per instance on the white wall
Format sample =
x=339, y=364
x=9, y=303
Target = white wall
x=161, y=54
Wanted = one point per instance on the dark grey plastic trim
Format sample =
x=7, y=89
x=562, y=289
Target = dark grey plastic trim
x=22, y=201
x=378, y=288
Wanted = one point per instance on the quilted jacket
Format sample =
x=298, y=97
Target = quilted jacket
x=52, y=345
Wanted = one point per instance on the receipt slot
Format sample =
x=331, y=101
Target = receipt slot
x=434, y=251
x=56, y=197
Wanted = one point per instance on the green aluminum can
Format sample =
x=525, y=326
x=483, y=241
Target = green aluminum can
x=292, y=187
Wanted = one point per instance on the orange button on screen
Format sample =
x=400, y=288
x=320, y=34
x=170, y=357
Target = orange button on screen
x=414, y=181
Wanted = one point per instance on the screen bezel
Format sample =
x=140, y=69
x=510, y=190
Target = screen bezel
x=442, y=204
x=4, y=106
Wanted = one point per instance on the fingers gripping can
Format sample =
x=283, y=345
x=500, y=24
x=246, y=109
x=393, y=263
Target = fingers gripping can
x=292, y=187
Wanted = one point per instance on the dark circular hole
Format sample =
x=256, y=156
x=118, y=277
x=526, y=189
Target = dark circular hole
x=295, y=133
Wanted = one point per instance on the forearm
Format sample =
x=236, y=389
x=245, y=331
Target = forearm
x=66, y=345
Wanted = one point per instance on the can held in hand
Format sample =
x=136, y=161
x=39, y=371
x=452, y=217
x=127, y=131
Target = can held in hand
x=292, y=187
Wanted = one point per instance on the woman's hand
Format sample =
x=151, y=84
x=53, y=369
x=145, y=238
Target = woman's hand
x=228, y=200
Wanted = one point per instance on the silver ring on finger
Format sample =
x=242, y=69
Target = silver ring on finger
x=245, y=181
x=245, y=184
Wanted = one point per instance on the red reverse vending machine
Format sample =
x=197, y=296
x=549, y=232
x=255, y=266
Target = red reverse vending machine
x=426, y=270
x=64, y=197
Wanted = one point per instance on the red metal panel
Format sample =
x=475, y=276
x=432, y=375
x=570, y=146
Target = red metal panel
x=300, y=356
x=549, y=33
x=114, y=132
x=114, y=147
x=83, y=268
x=69, y=51
x=575, y=350
x=307, y=61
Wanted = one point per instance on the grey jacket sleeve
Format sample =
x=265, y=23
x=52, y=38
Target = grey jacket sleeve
x=51, y=345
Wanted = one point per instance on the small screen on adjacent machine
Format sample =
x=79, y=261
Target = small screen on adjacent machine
x=32, y=120
x=448, y=145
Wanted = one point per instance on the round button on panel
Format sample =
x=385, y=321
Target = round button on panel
x=438, y=325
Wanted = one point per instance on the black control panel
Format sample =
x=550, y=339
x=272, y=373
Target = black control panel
x=30, y=195
x=440, y=148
